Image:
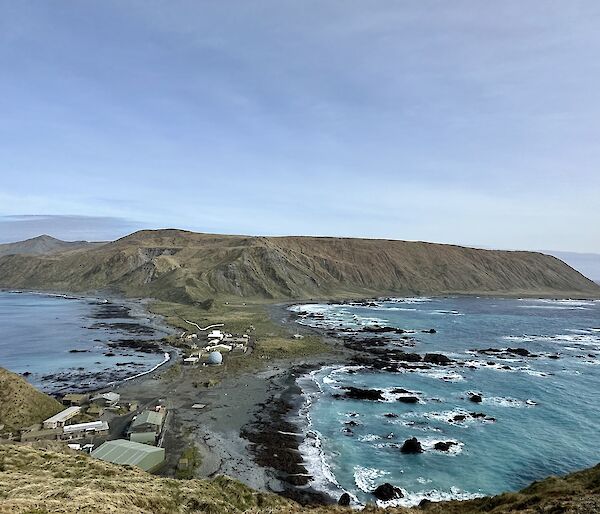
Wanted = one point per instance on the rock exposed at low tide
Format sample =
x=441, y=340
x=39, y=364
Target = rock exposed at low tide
x=411, y=446
x=387, y=492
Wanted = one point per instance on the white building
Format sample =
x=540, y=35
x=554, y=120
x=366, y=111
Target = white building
x=81, y=430
x=59, y=420
x=219, y=348
x=216, y=334
x=107, y=399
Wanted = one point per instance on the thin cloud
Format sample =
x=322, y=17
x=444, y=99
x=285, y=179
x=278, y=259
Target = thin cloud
x=66, y=227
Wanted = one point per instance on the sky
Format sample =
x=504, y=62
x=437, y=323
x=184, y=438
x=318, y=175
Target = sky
x=465, y=122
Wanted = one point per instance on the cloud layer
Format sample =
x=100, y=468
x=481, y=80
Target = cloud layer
x=460, y=122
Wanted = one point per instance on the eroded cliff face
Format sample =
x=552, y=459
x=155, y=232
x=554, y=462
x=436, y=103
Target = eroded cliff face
x=185, y=266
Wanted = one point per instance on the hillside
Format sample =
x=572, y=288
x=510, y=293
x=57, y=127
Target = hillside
x=21, y=404
x=42, y=245
x=57, y=480
x=188, y=267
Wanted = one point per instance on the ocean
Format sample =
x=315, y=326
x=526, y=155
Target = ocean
x=538, y=415
x=63, y=343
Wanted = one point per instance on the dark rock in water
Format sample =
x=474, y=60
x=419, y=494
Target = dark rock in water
x=408, y=357
x=356, y=393
x=444, y=446
x=377, y=329
x=412, y=446
x=430, y=331
x=352, y=423
x=459, y=417
x=131, y=328
x=476, y=398
x=519, y=351
x=390, y=415
x=400, y=390
x=408, y=399
x=554, y=356
x=137, y=345
x=386, y=492
x=75, y=350
x=437, y=358
x=109, y=354
x=26, y=373
x=425, y=503
x=477, y=415
x=344, y=500
x=347, y=431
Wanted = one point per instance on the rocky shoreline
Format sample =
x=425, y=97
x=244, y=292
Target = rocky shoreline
x=375, y=347
x=138, y=332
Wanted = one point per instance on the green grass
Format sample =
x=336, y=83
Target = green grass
x=192, y=459
x=272, y=341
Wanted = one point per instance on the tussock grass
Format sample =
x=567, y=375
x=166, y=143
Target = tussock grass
x=49, y=478
x=21, y=404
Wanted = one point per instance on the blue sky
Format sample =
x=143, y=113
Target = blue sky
x=463, y=122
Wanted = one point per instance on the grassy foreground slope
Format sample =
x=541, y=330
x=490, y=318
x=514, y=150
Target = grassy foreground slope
x=21, y=404
x=55, y=480
x=186, y=267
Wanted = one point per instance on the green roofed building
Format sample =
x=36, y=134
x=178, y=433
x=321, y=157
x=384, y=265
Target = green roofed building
x=148, y=421
x=121, y=451
x=143, y=437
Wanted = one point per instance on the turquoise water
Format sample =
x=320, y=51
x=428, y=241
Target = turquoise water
x=38, y=332
x=546, y=409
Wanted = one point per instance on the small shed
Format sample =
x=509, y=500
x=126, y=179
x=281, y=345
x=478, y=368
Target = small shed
x=121, y=451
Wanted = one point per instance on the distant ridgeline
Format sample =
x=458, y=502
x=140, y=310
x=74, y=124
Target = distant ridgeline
x=187, y=267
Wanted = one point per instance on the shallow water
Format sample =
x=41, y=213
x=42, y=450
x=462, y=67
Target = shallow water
x=38, y=332
x=545, y=409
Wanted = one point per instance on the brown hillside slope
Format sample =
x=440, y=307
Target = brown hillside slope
x=21, y=404
x=42, y=245
x=60, y=481
x=186, y=267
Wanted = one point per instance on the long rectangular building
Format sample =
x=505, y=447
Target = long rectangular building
x=121, y=451
x=59, y=420
x=81, y=430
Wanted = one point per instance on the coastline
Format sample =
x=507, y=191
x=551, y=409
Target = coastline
x=242, y=404
x=128, y=316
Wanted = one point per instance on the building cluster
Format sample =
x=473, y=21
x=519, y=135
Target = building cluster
x=60, y=427
x=211, y=350
x=147, y=426
x=142, y=446
x=144, y=434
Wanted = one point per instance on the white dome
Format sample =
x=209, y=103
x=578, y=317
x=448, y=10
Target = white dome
x=215, y=358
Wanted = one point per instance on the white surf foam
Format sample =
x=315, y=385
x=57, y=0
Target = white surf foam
x=414, y=498
x=367, y=479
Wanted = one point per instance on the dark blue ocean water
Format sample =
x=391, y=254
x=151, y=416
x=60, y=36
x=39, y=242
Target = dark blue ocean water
x=546, y=410
x=37, y=332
